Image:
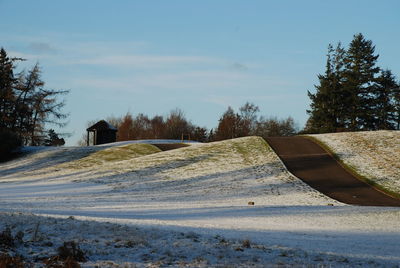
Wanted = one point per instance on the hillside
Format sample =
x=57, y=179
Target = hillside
x=372, y=154
x=134, y=205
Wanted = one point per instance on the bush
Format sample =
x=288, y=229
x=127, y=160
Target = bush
x=6, y=239
x=9, y=241
x=9, y=142
x=9, y=261
x=71, y=250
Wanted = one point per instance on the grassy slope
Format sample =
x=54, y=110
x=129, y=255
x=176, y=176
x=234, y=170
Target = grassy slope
x=113, y=154
x=231, y=172
x=370, y=156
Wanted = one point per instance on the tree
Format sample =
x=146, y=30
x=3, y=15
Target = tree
x=396, y=104
x=199, y=134
x=353, y=94
x=273, y=127
x=211, y=136
x=228, y=125
x=125, y=129
x=42, y=107
x=326, y=104
x=52, y=139
x=157, y=127
x=26, y=107
x=177, y=125
x=141, y=126
x=383, y=103
x=9, y=142
x=7, y=96
x=358, y=84
x=248, y=119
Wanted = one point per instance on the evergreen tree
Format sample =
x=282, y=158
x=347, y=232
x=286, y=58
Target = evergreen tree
x=25, y=105
x=7, y=96
x=396, y=105
x=327, y=104
x=353, y=94
x=383, y=105
x=199, y=134
x=52, y=139
x=211, y=136
x=359, y=78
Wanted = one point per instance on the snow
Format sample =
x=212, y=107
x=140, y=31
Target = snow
x=373, y=154
x=156, y=141
x=188, y=207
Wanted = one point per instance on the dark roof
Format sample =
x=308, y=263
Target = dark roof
x=102, y=125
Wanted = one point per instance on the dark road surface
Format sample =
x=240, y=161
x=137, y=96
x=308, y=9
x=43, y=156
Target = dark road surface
x=316, y=167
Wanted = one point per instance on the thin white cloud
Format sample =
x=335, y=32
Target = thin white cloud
x=30, y=57
x=115, y=54
x=184, y=81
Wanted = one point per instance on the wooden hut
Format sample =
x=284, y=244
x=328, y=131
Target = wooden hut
x=103, y=132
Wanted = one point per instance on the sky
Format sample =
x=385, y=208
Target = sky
x=151, y=56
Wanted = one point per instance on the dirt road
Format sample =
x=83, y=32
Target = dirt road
x=316, y=167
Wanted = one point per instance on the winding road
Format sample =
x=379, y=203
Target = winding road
x=311, y=163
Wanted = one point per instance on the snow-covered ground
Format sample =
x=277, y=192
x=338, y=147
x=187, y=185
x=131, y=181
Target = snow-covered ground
x=373, y=154
x=132, y=204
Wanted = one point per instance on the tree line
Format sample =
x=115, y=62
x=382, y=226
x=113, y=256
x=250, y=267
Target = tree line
x=26, y=106
x=354, y=93
x=176, y=126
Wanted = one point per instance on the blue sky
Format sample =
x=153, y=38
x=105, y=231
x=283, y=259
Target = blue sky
x=199, y=56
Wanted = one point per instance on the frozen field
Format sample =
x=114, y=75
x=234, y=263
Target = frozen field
x=134, y=205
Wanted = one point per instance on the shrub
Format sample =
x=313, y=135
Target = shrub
x=246, y=243
x=9, y=142
x=71, y=250
x=8, y=241
x=8, y=261
x=56, y=262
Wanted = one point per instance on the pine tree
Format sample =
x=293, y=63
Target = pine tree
x=7, y=96
x=352, y=95
x=25, y=105
x=383, y=105
x=53, y=139
x=327, y=104
x=199, y=134
x=396, y=105
x=359, y=78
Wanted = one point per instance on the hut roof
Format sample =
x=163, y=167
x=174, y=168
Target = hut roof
x=102, y=125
